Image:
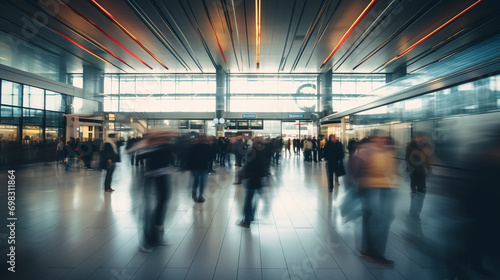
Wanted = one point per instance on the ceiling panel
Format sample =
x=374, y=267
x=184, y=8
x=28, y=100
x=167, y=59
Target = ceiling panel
x=192, y=36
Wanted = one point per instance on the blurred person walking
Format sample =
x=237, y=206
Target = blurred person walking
x=375, y=172
x=334, y=155
x=156, y=148
x=418, y=163
x=109, y=158
x=254, y=172
x=199, y=157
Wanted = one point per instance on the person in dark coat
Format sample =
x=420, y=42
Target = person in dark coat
x=334, y=155
x=315, y=149
x=110, y=158
x=199, y=157
x=130, y=144
x=156, y=148
x=254, y=172
x=418, y=163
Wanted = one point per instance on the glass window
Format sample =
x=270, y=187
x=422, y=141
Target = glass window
x=54, y=119
x=148, y=84
x=10, y=115
x=127, y=84
x=77, y=80
x=11, y=93
x=8, y=133
x=33, y=97
x=54, y=101
x=111, y=104
x=32, y=117
x=53, y=134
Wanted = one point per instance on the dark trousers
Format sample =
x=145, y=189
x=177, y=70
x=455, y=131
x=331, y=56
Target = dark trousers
x=315, y=155
x=253, y=185
x=155, y=208
x=418, y=189
x=276, y=157
x=199, y=182
x=238, y=158
x=109, y=177
x=331, y=167
x=162, y=191
x=378, y=214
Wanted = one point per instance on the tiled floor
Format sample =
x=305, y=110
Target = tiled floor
x=68, y=228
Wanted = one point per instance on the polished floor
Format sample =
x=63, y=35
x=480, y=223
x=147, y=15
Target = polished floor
x=68, y=228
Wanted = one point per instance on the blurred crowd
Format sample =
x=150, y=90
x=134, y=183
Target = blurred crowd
x=373, y=172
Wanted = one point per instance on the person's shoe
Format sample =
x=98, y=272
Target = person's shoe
x=145, y=248
x=109, y=190
x=201, y=199
x=380, y=260
x=243, y=224
x=193, y=195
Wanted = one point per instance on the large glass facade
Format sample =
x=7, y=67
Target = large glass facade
x=159, y=93
x=273, y=93
x=350, y=90
x=475, y=97
x=32, y=120
x=19, y=54
x=11, y=93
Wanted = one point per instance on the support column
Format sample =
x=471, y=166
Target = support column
x=325, y=92
x=220, y=93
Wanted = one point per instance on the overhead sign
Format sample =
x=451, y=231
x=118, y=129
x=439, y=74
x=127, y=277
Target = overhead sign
x=296, y=116
x=248, y=116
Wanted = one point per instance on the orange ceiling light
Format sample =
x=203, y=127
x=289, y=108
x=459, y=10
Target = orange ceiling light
x=258, y=12
x=433, y=32
x=122, y=28
x=81, y=46
x=104, y=32
x=349, y=31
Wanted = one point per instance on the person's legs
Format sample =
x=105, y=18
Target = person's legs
x=248, y=208
x=382, y=219
x=329, y=176
x=367, y=201
x=162, y=191
x=109, y=178
x=202, y=183
x=418, y=189
x=194, y=187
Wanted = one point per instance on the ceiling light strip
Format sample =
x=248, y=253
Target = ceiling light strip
x=157, y=32
x=195, y=25
x=122, y=28
x=237, y=31
x=348, y=32
x=258, y=6
x=167, y=21
x=92, y=41
x=105, y=33
x=82, y=47
x=436, y=30
x=213, y=31
x=415, y=18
